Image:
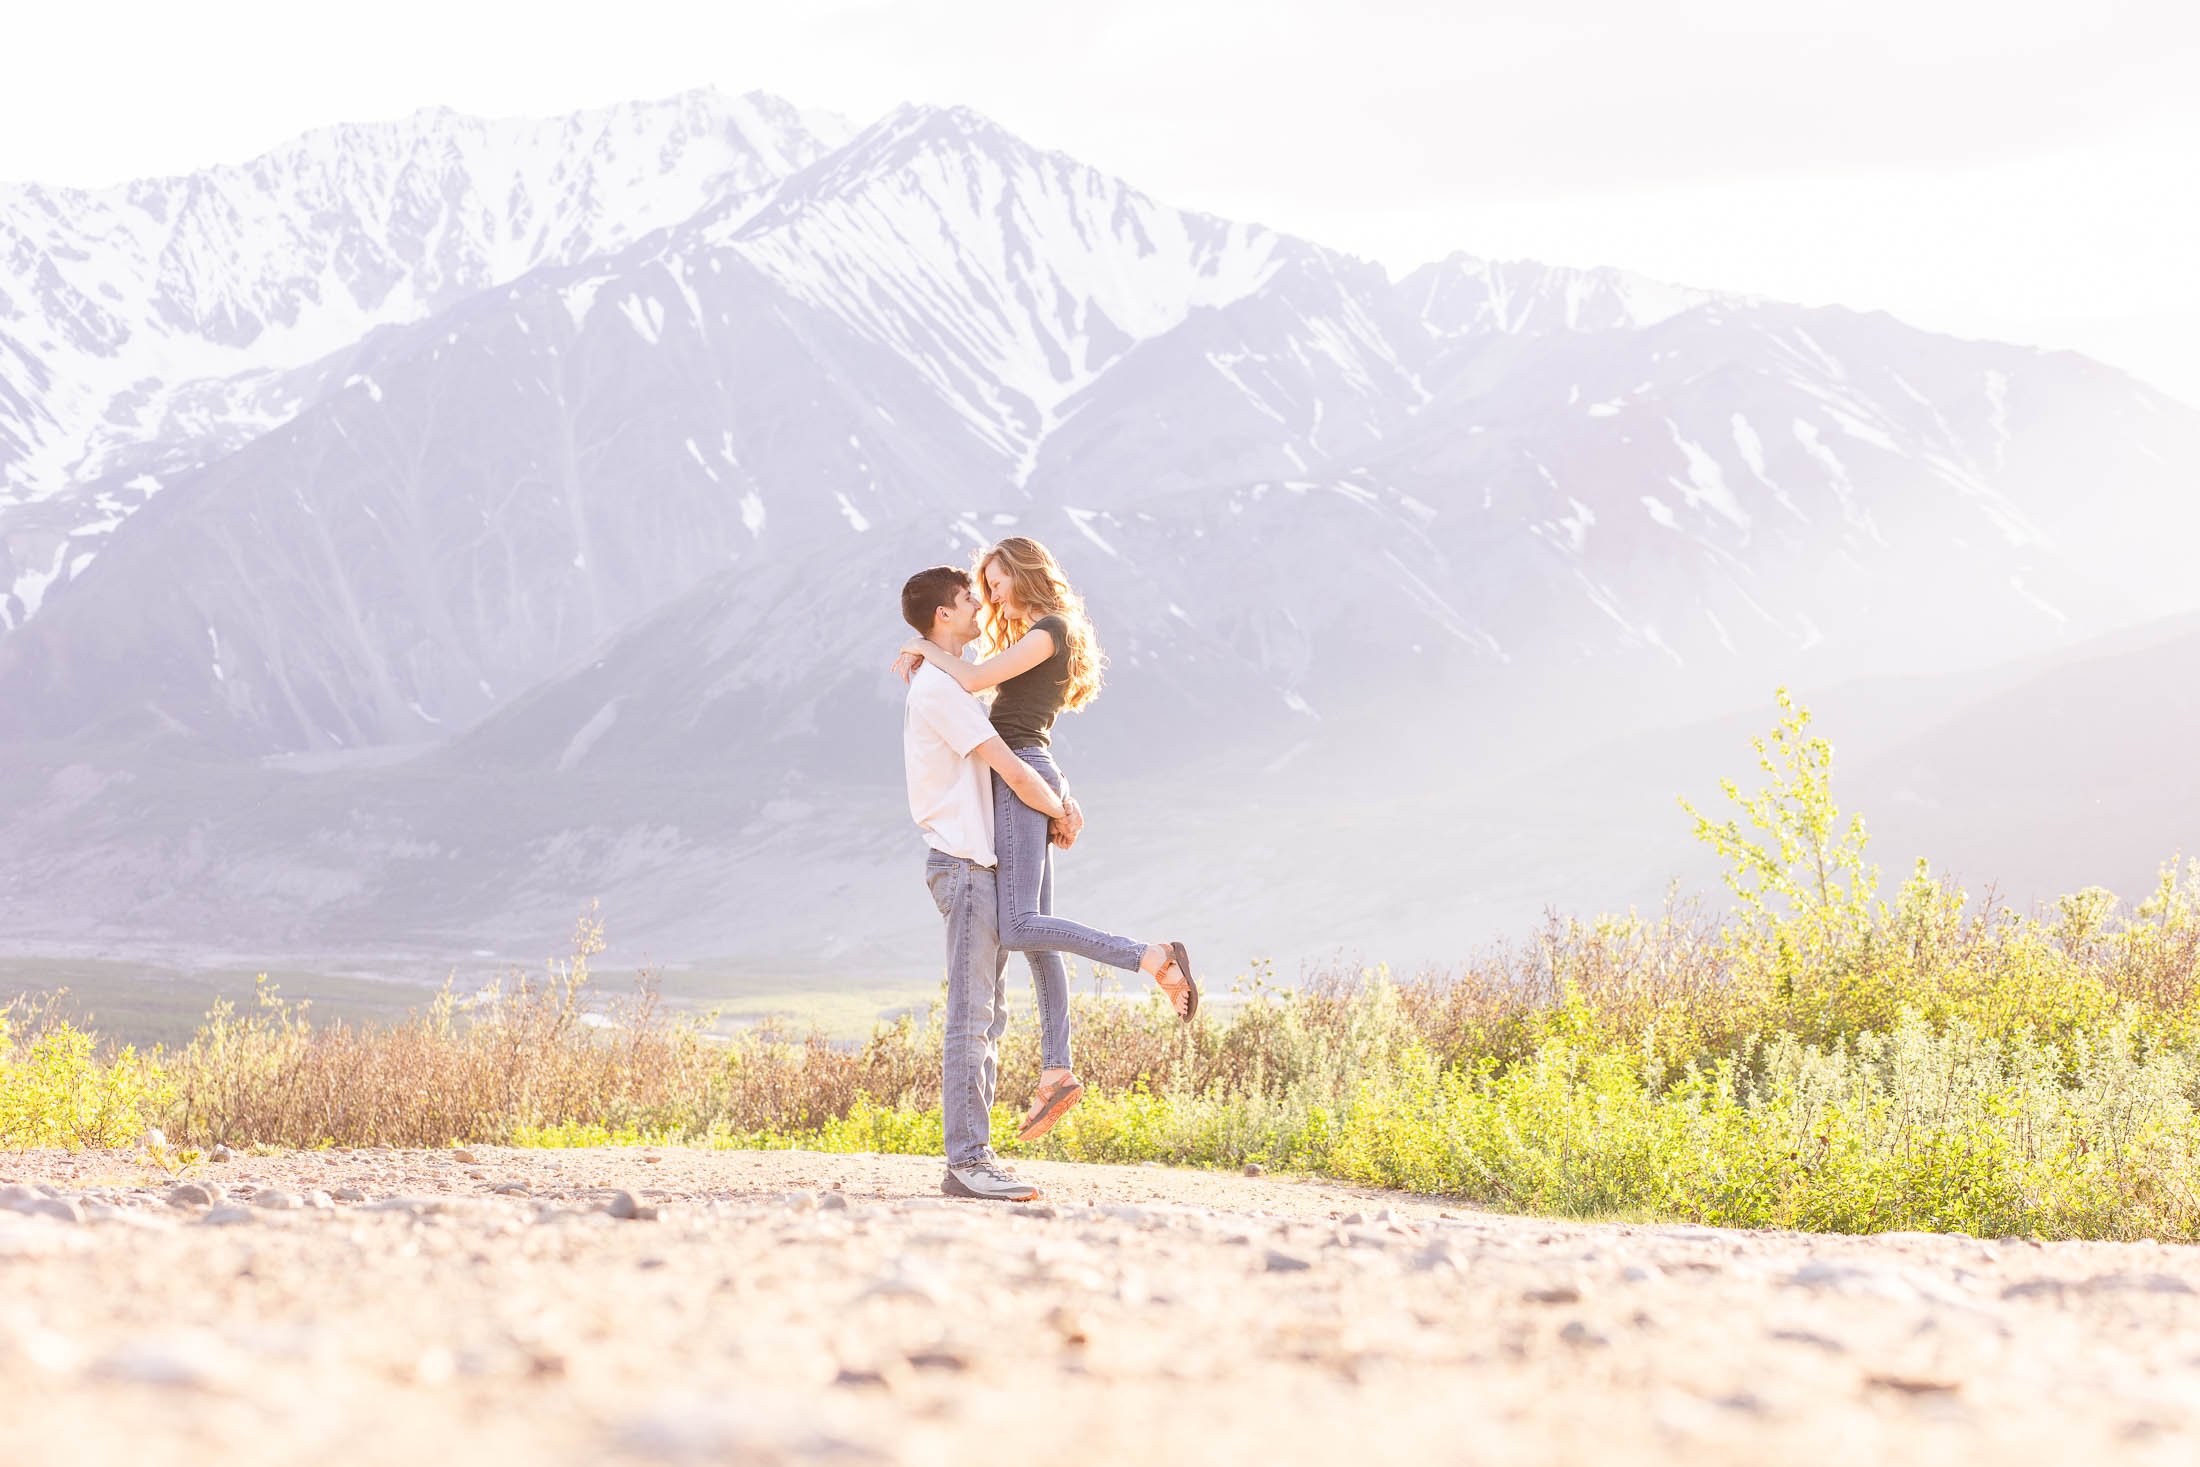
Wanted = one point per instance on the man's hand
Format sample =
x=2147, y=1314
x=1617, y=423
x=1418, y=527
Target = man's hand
x=1064, y=832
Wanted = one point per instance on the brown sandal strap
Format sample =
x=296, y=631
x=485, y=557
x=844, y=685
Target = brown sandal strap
x=1054, y=1099
x=1182, y=962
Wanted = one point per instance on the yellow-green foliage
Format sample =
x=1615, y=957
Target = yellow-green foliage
x=1818, y=1057
x=55, y=1092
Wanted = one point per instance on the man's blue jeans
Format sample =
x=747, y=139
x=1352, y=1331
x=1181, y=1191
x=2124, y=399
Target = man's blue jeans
x=977, y=1007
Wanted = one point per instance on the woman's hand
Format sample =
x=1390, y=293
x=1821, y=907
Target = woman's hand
x=912, y=656
x=1064, y=832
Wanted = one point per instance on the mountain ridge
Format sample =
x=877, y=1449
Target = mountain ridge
x=629, y=524
x=322, y=246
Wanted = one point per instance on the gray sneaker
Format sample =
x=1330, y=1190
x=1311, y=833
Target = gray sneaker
x=988, y=1181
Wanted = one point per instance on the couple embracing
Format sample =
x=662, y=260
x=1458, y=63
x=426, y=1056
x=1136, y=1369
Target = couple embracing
x=984, y=788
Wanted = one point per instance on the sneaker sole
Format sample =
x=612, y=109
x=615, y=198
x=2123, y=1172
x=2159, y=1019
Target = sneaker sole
x=954, y=1186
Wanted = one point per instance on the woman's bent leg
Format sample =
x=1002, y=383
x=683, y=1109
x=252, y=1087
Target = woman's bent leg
x=1050, y=986
x=1020, y=844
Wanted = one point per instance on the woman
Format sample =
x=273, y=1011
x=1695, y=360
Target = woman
x=1044, y=661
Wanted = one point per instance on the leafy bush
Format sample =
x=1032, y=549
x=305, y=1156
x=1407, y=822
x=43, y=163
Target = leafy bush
x=55, y=1092
x=1821, y=1057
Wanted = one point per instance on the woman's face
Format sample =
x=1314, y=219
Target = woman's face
x=1000, y=589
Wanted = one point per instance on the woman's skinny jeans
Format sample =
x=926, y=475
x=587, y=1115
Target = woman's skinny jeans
x=1028, y=923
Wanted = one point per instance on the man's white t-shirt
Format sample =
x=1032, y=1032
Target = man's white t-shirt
x=950, y=789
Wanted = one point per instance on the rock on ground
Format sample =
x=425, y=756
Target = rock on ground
x=792, y=1307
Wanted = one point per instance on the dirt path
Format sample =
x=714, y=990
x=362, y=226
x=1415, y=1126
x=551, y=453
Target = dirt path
x=792, y=1307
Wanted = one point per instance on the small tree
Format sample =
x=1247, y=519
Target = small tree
x=1806, y=900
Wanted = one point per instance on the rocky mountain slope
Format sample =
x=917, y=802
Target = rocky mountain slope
x=615, y=435
x=147, y=329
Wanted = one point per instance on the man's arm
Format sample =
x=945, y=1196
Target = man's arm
x=1020, y=777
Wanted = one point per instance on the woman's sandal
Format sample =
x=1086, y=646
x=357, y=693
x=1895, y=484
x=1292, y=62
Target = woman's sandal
x=1052, y=1100
x=1181, y=961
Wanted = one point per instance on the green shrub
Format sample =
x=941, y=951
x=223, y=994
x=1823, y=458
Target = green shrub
x=1821, y=1057
x=55, y=1092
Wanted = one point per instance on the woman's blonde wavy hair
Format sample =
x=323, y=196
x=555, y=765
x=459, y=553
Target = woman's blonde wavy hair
x=1041, y=590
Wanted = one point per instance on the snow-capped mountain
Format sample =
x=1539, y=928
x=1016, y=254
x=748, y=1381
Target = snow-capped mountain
x=148, y=328
x=1012, y=278
x=614, y=480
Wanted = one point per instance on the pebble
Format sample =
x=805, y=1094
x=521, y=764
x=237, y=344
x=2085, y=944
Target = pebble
x=464, y=1156
x=1279, y=1261
x=905, y=1287
x=1137, y=1217
x=316, y=1199
x=715, y=1431
x=862, y=1377
x=1811, y=1338
x=1581, y=1336
x=624, y=1207
x=196, y=1195
x=347, y=1194
x=799, y=1201
x=1553, y=1294
x=222, y=1217
x=221, y=1153
x=906, y=1281
x=61, y=1209
x=834, y=1202
x=1254, y=1169
x=194, y=1363
x=1852, y=1280
x=2107, y=1283
x=275, y=1201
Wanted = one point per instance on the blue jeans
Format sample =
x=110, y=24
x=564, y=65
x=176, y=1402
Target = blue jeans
x=977, y=1007
x=1027, y=921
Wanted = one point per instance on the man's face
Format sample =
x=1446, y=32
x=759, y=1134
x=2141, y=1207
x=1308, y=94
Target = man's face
x=960, y=621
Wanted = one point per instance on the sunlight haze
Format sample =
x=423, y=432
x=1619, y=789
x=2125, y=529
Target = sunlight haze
x=2018, y=172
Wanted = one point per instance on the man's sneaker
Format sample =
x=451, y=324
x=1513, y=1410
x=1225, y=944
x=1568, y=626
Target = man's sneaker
x=988, y=1181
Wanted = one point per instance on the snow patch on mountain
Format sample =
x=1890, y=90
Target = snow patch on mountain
x=163, y=310
x=1010, y=279
x=1464, y=296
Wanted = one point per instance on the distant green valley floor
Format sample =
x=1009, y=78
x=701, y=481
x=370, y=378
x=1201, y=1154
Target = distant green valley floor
x=146, y=1003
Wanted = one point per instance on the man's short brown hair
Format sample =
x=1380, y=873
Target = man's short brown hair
x=928, y=591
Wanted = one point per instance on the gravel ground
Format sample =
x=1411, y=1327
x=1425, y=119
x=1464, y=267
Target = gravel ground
x=492, y=1305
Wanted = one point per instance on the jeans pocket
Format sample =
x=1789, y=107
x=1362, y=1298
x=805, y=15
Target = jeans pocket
x=944, y=878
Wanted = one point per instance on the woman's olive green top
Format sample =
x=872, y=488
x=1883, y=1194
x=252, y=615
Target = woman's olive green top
x=1024, y=708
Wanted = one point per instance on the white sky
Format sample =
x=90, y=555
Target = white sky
x=2025, y=169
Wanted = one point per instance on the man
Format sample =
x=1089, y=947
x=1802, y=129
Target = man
x=949, y=753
